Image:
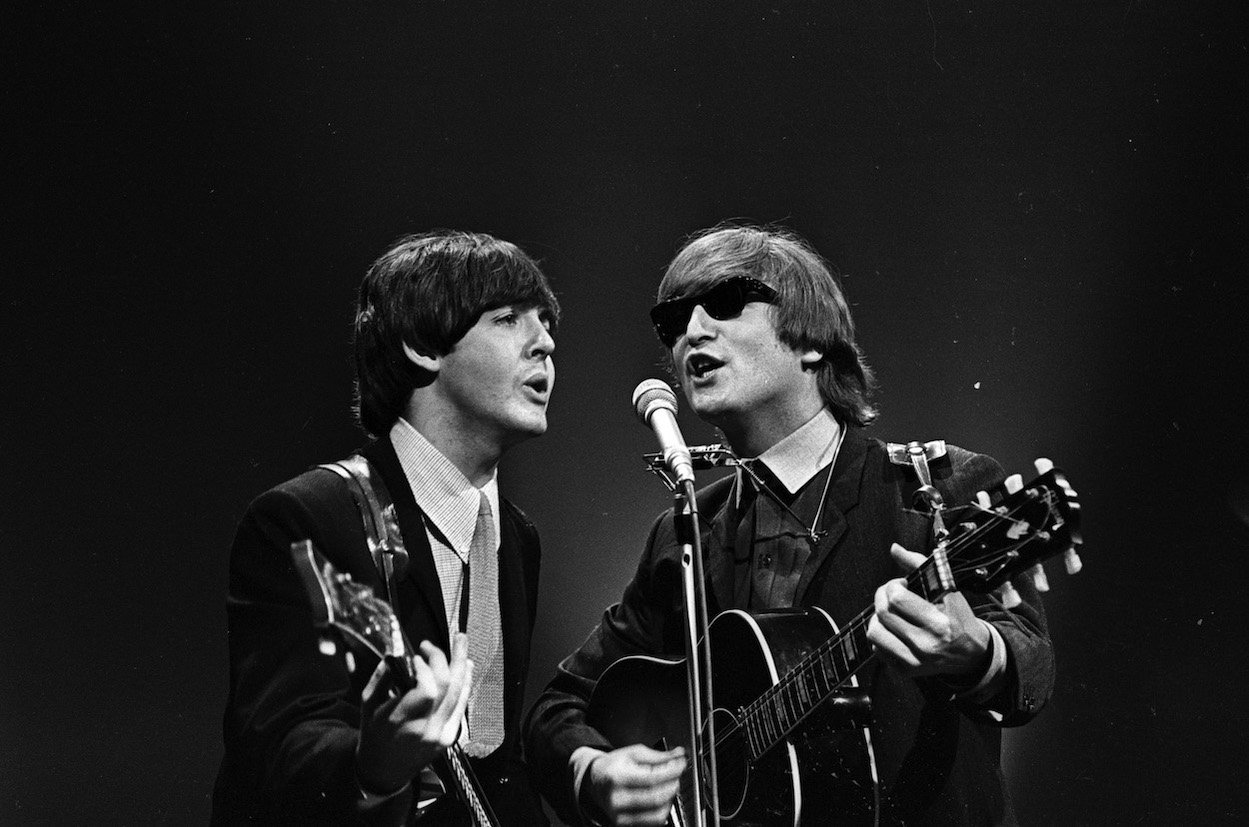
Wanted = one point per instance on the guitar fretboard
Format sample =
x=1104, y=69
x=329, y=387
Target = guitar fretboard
x=467, y=787
x=829, y=666
x=994, y=534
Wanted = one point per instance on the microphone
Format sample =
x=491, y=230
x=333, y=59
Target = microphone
x=656, y=406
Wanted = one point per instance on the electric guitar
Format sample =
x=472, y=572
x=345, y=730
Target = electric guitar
x=363, y=620
x=792, y=735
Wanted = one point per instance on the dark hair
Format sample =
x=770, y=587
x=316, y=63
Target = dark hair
x=428, y=290
x=811, y=312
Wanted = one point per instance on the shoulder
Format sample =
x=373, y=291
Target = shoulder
x=513, y=513
x=316, y=505
x=958, y=472
x=316, y=487
x=711, y=499
x=715, y=494
x=969, y=472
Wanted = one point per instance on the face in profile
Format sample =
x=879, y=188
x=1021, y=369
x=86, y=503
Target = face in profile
x=497, y=379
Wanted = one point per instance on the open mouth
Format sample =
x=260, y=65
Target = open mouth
x=699, y=365
x=538, y=383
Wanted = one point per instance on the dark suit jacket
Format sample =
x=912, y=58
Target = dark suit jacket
x=938, y=757
x=292, y=715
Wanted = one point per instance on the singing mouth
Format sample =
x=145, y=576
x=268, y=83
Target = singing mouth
x=538, y=383
x=699, y=365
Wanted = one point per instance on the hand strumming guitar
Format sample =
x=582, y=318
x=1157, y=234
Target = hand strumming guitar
x=633, y=785
x=402, y=732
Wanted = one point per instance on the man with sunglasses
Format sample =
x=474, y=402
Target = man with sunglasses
x=762, y=344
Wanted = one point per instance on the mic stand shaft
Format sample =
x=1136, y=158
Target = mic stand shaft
x=698, y=656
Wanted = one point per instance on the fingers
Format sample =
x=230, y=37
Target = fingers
x=374, y=685
x=451, y=726
x=637, y=784
x=907, y=560
x=904, y=612
x=436, y=660
x=921, y=638
x=891, y=647
x=648, y=766
x=434, y=709
x=377, y=696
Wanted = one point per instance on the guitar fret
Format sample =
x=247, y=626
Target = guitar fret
x=824, y=685
x=849, y=650
x=767, y=721
x=804, y=694
x=922, y=584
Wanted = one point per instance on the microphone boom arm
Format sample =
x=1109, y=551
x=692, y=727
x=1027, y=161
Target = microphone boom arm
x=716, y=455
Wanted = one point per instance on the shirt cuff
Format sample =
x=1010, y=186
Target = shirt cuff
x=987, y=686
x=580, y=762
x=370, y=797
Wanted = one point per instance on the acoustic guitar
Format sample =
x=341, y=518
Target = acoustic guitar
x=792, y=735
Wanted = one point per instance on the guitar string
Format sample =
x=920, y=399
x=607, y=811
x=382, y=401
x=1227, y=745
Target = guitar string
x=815, y=658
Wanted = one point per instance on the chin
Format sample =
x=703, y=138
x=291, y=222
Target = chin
x=533, y=427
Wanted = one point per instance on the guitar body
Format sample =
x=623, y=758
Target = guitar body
x=822, y=773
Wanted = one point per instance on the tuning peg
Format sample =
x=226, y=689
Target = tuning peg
x=351, y=662
x=327, y=647
x=1072, y=561
x=982, y=500
x=1043, y=465
x=1039, y=579
x=1010, y=597
x=1013, y=483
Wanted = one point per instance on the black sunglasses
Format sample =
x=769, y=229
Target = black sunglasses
x=724, y=300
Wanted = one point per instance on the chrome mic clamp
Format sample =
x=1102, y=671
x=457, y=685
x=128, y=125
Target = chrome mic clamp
x=702, y=456
x=917, y=455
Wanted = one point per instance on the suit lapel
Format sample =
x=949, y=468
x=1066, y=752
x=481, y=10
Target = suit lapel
x=420, y=590
x=513, y=603
x=718, y=545
x=843, y=495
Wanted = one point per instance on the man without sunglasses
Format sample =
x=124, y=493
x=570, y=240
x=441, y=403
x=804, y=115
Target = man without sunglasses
x=453, y=343
x=762, y=344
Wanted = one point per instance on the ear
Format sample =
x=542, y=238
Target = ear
x=429, y=363
x=811, y=359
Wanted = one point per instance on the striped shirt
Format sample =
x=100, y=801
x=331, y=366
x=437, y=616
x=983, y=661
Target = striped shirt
x=450, y=504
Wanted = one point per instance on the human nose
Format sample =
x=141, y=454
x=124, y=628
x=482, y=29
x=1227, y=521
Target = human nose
x=699, y=326
x=542, y=344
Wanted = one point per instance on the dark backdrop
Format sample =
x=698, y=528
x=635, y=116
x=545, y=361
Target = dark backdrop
x=1039, y=211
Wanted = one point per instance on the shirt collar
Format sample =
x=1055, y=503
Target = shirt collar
x=446, y=496
x=800, y=456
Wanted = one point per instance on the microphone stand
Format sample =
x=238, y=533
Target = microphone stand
x=698, y=653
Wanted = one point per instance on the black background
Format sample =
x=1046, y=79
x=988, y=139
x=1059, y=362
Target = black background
x=1039, y=211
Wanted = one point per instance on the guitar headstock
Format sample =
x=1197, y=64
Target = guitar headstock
x=1013, y=528
x=350, y=608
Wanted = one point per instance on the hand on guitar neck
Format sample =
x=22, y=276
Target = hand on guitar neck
x=920, y=638
x=405, y=725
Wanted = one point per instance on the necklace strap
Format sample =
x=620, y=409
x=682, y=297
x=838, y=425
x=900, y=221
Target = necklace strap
x=815, y=531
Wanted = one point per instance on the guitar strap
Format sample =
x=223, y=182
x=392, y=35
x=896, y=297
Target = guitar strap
x=385, y=541
x=381, y=525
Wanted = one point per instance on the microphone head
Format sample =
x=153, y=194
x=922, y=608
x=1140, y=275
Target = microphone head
x=650, y=395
